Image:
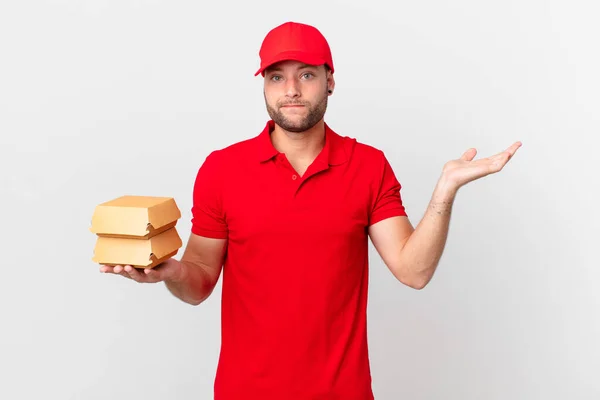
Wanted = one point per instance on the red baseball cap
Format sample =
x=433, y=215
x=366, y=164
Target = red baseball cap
x=294, y=41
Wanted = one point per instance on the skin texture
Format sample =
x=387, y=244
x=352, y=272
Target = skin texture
x=313, y=101
x=413, y=254
x=296, y=97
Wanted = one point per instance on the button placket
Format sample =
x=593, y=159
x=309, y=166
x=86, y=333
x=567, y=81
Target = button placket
x=290, y=175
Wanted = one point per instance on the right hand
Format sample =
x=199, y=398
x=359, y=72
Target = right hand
x=169, y=270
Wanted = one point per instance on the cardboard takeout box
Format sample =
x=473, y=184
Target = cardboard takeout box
x=135, y=217
x=136, y=230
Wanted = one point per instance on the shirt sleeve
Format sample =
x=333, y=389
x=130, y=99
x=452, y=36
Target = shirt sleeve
x=387, y=200
x=208, y=216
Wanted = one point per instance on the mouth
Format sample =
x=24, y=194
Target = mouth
x=292, y=105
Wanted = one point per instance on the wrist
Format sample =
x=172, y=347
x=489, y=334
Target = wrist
x=180, y=271
x=445, y=190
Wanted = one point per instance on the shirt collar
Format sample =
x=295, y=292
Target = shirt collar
x=334, y=151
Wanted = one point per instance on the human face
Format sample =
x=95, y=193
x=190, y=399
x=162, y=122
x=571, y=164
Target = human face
x=296, y=94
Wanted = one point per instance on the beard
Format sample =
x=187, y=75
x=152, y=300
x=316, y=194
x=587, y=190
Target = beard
x=315, y=114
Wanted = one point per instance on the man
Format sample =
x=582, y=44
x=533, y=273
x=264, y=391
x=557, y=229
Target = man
x=286, y=215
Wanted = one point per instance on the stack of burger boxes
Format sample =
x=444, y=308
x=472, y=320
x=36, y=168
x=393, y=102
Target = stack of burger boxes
x=136, y=230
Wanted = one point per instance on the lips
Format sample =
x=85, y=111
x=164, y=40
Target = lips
x=292, y=105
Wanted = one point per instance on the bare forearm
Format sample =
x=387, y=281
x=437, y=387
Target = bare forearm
x=423, y=249
x=193, y=286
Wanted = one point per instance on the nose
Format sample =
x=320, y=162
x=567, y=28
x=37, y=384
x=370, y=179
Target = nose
x=292, y=88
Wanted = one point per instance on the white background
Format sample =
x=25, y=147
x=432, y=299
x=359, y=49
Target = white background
x=104, y=98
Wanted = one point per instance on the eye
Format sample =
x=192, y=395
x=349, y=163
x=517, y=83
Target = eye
x=307, y=75
x=275, y=77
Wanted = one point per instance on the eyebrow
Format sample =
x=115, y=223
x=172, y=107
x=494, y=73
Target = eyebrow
x=302, y=66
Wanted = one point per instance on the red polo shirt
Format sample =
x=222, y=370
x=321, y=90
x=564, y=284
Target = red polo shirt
x=295, y=278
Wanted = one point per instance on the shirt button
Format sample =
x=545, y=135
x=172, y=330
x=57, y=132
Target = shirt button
x=294, y=177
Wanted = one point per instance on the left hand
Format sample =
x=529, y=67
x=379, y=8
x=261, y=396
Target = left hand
x=457, y=173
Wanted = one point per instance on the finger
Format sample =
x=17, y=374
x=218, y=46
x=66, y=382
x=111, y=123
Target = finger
x=118, y=269
x=143, y=275
x=124, y=274
x=153, y=275
x=499, y=158
x=111, y=269
x=499, y=161
x=115, y=270
x=469, y=154
x=513, y=149
x=106, y=268
x=510, y=151
x=506, y=154
x=134, y=273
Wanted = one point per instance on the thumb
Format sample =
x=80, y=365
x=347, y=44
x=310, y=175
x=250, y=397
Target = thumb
x=469, y=155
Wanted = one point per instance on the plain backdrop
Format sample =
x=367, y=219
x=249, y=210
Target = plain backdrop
x=103, y=98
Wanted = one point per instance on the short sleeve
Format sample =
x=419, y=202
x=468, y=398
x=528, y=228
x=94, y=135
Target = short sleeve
x=208, y=216
x=387, y=201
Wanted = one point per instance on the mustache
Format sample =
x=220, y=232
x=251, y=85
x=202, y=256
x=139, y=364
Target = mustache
x=291, y=103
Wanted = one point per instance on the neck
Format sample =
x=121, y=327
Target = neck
x=304, y=145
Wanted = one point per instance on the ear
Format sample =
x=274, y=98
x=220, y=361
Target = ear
x=330, y=82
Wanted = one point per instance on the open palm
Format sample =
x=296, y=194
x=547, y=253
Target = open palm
x=464, y=170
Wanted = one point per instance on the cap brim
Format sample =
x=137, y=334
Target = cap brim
x=292, y=55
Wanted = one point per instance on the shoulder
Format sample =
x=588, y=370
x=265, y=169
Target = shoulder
x=235, y=152
x=368, y=151
x=367, y=160
x=355, y=149
x=364, y=154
